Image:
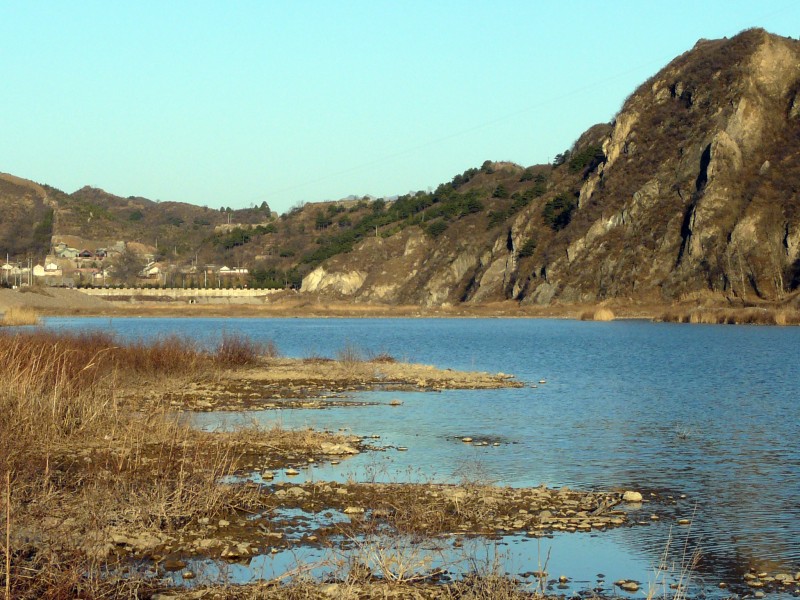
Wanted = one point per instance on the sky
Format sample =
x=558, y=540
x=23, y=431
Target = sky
x=234, y=103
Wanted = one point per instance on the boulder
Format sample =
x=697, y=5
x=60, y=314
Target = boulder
x=631, y=496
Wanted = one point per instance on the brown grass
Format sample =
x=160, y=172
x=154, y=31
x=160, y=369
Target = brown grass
x=236, y=351
x=599, y=314
x=80, y=464
x=18, y=316
x=733, y=316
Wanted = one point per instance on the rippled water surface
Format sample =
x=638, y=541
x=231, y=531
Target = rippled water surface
x=709, y=412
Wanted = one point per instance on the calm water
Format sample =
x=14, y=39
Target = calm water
x=707, y=412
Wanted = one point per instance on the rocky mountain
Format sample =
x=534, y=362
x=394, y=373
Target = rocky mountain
x=691, y=191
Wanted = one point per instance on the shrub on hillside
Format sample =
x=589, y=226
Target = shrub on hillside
x=557, y=212
x=436, y=228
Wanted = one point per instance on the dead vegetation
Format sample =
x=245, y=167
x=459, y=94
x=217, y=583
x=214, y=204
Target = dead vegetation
x=84, y=474
x=732, y=316
x=598, y=314
x=19, y=316
x=94, y=477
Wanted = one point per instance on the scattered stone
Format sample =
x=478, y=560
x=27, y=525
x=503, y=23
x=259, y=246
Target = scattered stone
x=401, y=449
x=396, y=402
x=188, y=575
x=174, y=564
x=292, y=472
x=267, y=475
x=631, y=496
x=337, y=449
x=353, y=510
x=683, y=521
x=466, y=440
x=223, y=523
x=627, y=585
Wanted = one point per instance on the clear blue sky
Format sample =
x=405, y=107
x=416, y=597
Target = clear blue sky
x=233, y=103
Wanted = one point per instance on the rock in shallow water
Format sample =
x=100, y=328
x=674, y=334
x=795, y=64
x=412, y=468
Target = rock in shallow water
x=631, y=496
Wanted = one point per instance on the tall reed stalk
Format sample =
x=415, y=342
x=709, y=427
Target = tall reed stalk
x=8, y=535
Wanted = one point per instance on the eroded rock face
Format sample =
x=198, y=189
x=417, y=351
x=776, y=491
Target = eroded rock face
x=346, y=283
x=697, y=193
x=707, y=210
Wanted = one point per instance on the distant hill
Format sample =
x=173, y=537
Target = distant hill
x=691, y=192
x=38, y=216
x=26, y=217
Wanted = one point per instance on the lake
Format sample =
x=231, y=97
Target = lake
x=704, y=417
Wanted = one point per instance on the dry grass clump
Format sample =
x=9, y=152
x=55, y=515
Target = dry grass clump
x=600, y=314
x=733, y=316
x=19, y=316
x=236, y=351
x=382, y=357
x=350, y=354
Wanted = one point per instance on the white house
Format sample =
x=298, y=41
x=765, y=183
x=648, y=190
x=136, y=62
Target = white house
x=235, y=271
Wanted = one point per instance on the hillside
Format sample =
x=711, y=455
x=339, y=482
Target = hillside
x=26, y=219
x=691, y=192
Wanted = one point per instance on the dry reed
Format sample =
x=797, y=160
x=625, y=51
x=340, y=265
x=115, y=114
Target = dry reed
x=19, y=316
x=235, y=351
x=733, y=316
x=80, y=463
x=599, y=314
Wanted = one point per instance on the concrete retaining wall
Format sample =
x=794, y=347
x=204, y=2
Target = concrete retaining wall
x=186, y=294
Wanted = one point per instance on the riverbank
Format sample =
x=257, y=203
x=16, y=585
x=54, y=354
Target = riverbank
x=700, y=309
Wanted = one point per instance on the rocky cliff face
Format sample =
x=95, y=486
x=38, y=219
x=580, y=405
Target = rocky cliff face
x=692, y=190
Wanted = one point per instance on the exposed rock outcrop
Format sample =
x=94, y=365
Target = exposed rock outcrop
x=692, y=190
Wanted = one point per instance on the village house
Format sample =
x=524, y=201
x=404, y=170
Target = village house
x=227, y=271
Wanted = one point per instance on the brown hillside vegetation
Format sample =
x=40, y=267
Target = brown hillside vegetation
x=27, y=217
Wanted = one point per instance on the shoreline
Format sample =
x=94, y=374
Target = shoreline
x=57, y=302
